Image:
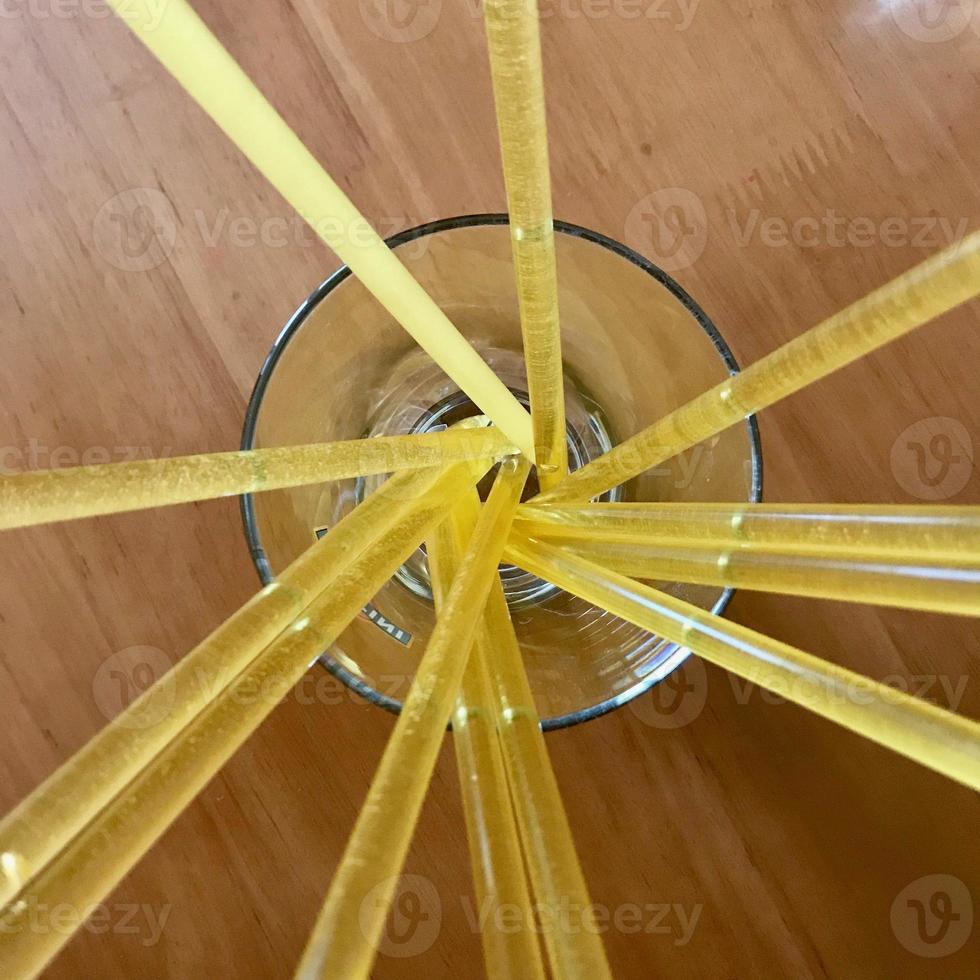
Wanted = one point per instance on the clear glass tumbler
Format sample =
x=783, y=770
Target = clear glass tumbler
x=635, y=346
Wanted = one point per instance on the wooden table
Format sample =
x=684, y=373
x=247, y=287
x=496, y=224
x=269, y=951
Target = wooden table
x=782, y=159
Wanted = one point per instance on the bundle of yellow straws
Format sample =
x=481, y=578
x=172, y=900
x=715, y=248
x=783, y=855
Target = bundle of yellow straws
x=80, y=832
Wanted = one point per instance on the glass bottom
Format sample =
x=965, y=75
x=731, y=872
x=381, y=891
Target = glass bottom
x=421, y=383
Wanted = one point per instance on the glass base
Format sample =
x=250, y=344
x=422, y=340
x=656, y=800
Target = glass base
x=403, y=411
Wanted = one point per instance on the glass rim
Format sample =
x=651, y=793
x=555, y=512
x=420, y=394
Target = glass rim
x=679, y=654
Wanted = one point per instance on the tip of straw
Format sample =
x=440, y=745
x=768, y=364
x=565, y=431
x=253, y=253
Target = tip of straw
x=473, y=422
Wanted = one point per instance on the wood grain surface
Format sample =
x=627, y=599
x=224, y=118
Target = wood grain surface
x=781, y=159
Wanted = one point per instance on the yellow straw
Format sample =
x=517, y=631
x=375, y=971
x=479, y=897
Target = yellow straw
x=879, y=580
x=36, y=830
x=345, y=939
x=571, y=935
x=98, y=858
x=920, y=533
x=938, y=739
x=518, y=88
x=87, y=491
x=194, y=56
x=935, y=286
x=510, y=950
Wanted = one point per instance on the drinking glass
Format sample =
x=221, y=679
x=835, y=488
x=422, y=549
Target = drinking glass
x=634, y=346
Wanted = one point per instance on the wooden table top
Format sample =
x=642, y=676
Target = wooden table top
x=794, y=156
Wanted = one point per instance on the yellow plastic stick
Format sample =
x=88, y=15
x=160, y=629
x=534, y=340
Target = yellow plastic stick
x=345, y=939
x=87, y=491
x=570, y=933
x=922, y=533
x=518, y=89
x=928, y=290
x=44, y=823
x=195, y=57
x=879, y=580
x=938, y=739
x=510, y=950
x=98, y=858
